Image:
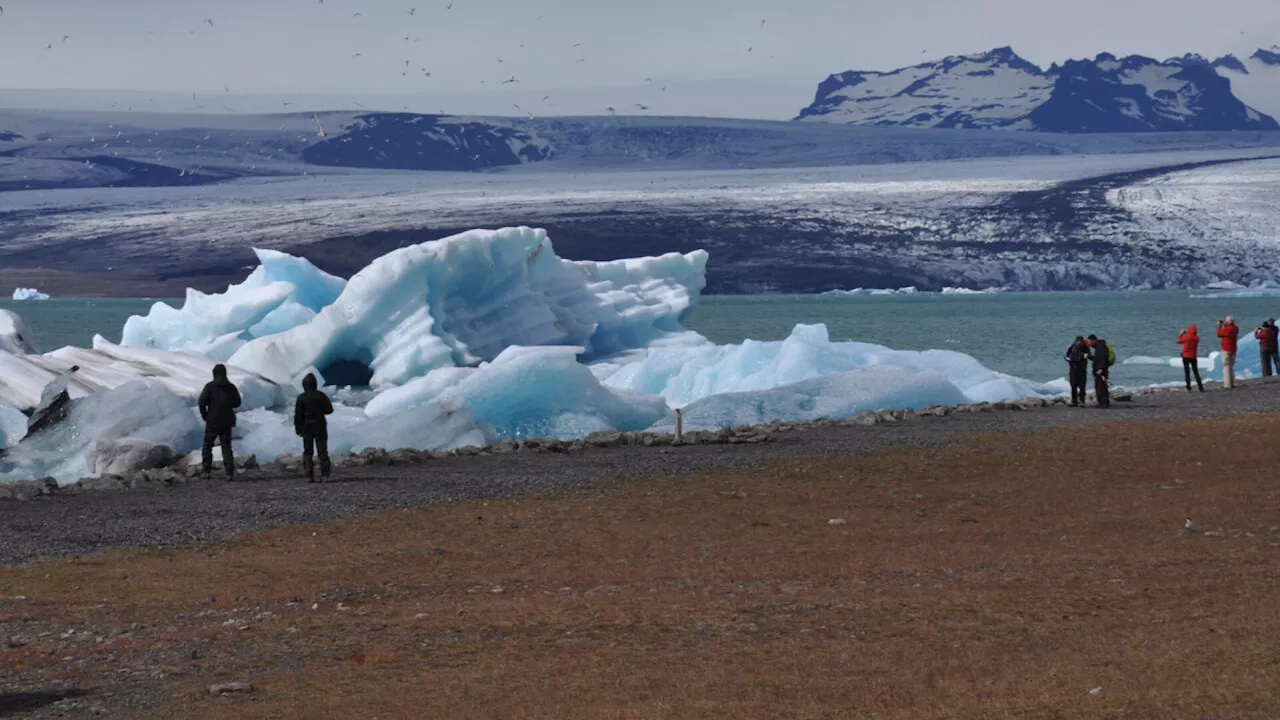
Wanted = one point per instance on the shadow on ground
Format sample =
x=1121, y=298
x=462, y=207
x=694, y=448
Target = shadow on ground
x=14, y=704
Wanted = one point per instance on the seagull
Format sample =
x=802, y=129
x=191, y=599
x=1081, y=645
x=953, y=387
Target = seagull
x=1189, y=523
x=357, y=15
x=577, y=44
x=511, y=80
x=762, y=23
x=353, y=102
x=413, y=11
x=642, y=107
x=66, y=38
x=582, y=60
x=49, y=46
x=209, y=21
x=356, y=55
x=648, y=80
x=748, y=49
x=449, y=6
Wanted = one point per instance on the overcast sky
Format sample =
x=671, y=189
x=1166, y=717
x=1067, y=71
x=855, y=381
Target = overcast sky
x=292, y=47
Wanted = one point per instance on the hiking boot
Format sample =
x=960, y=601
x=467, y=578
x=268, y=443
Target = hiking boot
x=310, y=470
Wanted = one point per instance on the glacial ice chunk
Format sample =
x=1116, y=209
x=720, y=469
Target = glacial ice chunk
x=105, y=432
x=282, y=292
x=29, y=294
x=836, y=396
x=527, y=392
x=464, y=299
x=13, y=425
x=15, y=338
x=684, y=375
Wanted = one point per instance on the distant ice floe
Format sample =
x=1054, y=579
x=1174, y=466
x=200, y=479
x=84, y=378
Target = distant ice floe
x=28, y=294
x=461, y=341
x=911, y=290
x=1229, y=289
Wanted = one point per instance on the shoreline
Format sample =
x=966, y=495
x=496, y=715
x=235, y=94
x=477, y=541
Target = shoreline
x=167, y=509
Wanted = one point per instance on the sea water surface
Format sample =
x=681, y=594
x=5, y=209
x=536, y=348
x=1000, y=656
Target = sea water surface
x=1022, y=334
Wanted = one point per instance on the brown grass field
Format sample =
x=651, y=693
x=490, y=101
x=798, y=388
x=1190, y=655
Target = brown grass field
x=996, y=577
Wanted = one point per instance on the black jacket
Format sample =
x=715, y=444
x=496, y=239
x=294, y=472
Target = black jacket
x=218, y=403
x=1101, y=356
x=1077, y=356
x=311, y=407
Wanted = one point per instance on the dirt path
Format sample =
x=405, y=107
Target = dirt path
x=1042, y=574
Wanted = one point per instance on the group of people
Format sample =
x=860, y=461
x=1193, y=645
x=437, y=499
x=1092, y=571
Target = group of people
x=219, y=401
x=1088, y=350
x=1083, y=352
x=1267, y=334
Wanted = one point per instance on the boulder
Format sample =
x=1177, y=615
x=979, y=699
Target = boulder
x=121, y=456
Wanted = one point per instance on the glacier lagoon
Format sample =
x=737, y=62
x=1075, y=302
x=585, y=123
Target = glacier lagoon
x=490, y=334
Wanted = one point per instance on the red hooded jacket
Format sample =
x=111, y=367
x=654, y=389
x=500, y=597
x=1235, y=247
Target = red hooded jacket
x=1266, y=337
x=1190, y=342
x=1229, y=334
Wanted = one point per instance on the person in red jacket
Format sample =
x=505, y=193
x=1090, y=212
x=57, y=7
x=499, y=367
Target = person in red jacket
x=1266, y=335
x=1229, y=334
x=1190, y=342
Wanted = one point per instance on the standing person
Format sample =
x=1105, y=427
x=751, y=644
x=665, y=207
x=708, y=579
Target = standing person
x=1101, y=371
x=1190, y=342
x=1275, y=343
x=1077, y=357
x=218, y=403
x=1228, y=334
x=310, y=424
x=1265, y=333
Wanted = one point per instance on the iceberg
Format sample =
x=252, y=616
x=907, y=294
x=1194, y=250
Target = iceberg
x=683, y=375
x=13, y=425
x=134, y=426
x=912, y=290
x=106, y=366
x=528, y=392
x=15, y=338
x=281, y=293
x=837, y=396
x=464, y=299
x=28, y=294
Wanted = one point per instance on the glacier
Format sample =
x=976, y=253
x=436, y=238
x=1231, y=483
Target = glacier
x=29, y=294
x=456, y=342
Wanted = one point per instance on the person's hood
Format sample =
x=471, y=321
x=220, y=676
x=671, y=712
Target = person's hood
x=1192, y=330
x=309, y=383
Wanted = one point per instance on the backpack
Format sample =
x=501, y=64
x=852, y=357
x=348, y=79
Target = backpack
x=1111, y=355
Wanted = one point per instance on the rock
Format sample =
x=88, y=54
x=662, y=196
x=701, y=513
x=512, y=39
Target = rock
x=604, y=439
x=837, y=521
x=250, y=463
x=121, y=456
x=505, y=445
x=1123, y=397
x=230, y=687
x=375, y=456
x=408, y=456
x=193, y=471
x=867, y=417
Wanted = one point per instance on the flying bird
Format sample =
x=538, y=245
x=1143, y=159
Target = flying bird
x=209, y=21
x=762, y=23
x=449, y=6
x=414, y=11
x=49, y=46
x=353, y=102
x=66, y=38
x=356, y=55
x=512, y=79
x=357, y=15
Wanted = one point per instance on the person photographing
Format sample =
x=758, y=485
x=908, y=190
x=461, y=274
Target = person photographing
x=1228, y=336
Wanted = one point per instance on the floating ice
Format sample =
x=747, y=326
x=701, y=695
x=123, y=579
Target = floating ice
x=183, y=372
x=13, y=425
x=430, y=426
x=15, y=338
x=28, y=294
x=967, y=291
x=912, y=290
x=135, y=425
x=685, y=375
x=464, y=299
x=528, y=392
x=281, y=293
x=837, y=395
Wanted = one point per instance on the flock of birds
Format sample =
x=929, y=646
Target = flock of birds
x=423, y=72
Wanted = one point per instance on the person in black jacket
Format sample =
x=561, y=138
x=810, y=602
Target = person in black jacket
x=218, y=403
x=310, y=424
x=1101, y=371
x=1077, y=357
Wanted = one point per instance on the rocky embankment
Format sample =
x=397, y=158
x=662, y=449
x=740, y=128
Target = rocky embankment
x=248, y=468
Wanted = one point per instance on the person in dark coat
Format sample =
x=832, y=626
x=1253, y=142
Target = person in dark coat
x=218, y=403
x=1077, y=357
x=310, y=424
x=1101, y=371
x=1266, y=337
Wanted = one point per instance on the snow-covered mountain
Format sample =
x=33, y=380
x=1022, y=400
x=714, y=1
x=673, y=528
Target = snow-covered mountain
x=1256, y=80
x=1001, y=90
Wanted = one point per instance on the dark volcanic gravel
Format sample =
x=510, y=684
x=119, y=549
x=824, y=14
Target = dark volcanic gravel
x=201, y=511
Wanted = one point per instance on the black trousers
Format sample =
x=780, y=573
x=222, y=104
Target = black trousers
x=316, y=441
x=1102, y=387
x=1192, y=365
x=223, y=436
x=1270, y=358
x=1079, y=378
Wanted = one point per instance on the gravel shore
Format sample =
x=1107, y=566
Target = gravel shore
x=203, y=511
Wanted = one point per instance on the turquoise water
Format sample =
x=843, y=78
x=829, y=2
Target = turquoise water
x=1022, y=334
